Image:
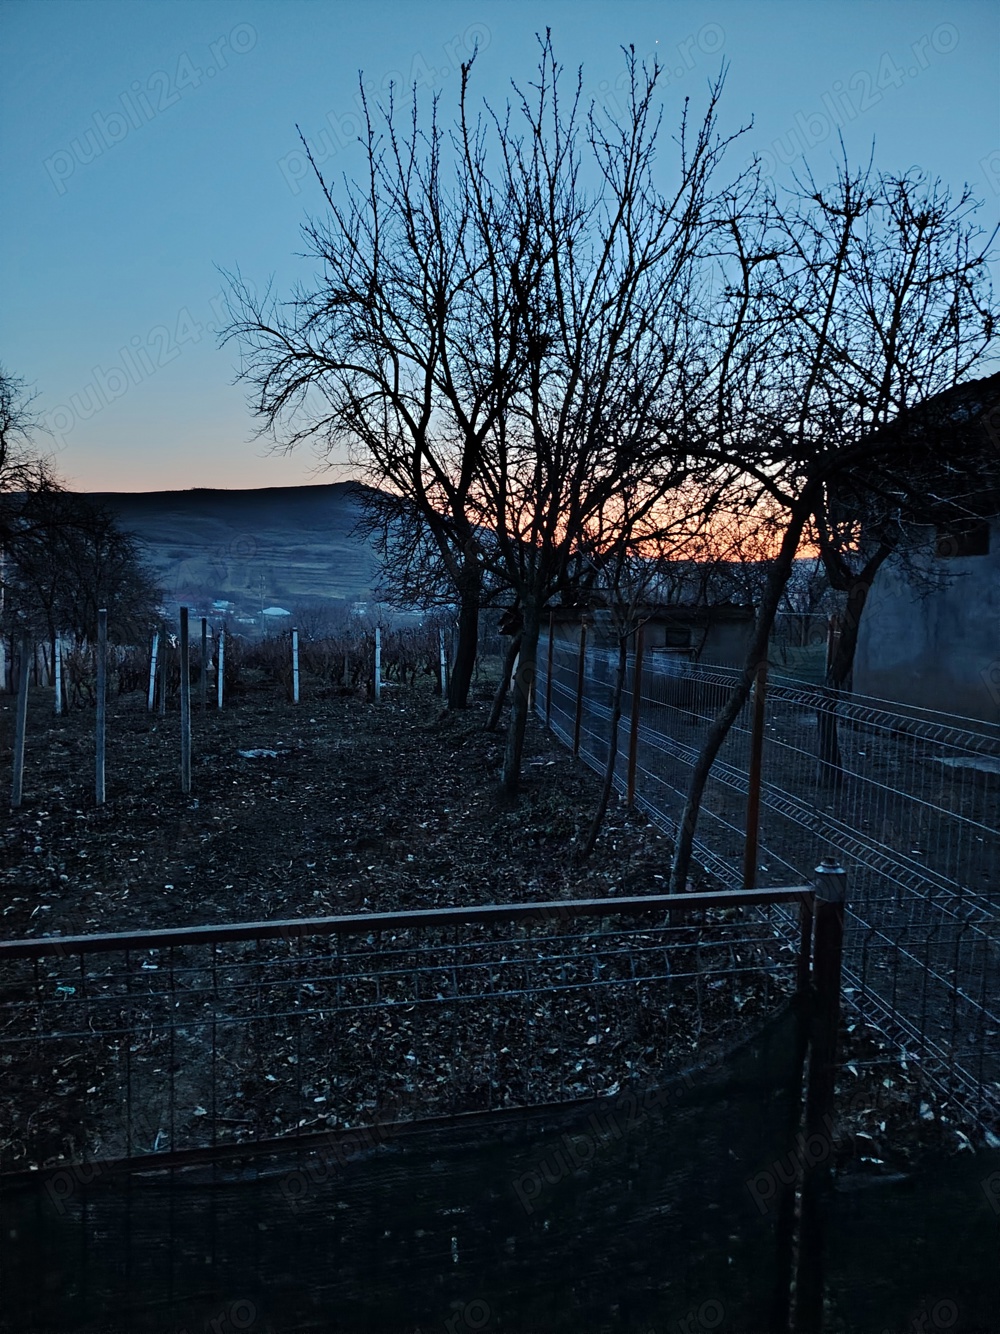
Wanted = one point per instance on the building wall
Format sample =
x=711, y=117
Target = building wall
x=938, y=649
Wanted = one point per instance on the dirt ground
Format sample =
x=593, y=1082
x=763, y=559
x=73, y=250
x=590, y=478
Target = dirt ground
x=346, y=806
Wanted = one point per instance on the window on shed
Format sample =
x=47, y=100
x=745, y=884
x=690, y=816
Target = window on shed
x=965, y=537
x=677, y=636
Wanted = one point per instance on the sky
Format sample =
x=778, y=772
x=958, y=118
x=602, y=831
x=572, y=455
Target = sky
x=148, y=144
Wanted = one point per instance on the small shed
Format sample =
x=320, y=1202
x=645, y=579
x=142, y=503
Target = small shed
x=718, y=635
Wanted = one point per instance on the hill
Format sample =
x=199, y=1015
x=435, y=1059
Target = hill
x=282, y=544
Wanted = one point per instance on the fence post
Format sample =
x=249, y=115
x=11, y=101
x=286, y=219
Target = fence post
x=57, y=673
x=378, y=663
x=185, y=704
x=102, y=696
x=163, y=668
x=222, y=666
x=756, y=765
x=580, y=669
x=828, y=941
x=20, y=724
x=444, y=665
x=204, y=663
x=153, y=657
x=633, y=730
x=295, y=665
x=548, y=672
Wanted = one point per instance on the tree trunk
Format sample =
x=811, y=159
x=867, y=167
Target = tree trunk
x=840, y=672
x=719, y=728
x=468, y=640
x=510, y=657
x=609, y=768
x=521, y=694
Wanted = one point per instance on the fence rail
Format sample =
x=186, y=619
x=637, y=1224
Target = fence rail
x=907, y=799
x=198, y=1040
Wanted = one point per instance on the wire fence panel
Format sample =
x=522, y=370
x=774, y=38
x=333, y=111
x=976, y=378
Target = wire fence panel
x=907, y=799
x=172, y=1042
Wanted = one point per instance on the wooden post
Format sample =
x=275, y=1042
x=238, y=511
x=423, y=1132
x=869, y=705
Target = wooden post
x=185, y=705
x=548, y=671
x=295, y=665
x=220, y=684
x=378, y=664
x=20, y=724
x=203, y=683
x=756, y=768
x=102, y=701
x=164, y=644
x=153, y=656
x=828, y=943
x=633, y=731
x=57, y=673
x=581, y=666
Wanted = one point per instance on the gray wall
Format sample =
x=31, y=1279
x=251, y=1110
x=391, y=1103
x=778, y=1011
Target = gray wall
x=938, y=649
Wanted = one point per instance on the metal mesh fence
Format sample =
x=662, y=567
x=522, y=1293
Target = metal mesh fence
x=202, y=1038
x=908, y=800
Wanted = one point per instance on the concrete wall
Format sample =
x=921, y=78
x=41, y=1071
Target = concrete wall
x=937, y=649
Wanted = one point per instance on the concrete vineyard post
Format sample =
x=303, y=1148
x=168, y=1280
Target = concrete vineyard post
x=378, y=663
x=220, y=684
x=163, y=668
x=444, y=664
x=20, y=722
x=102, y=697
x=295, y=665
x=185, y=704
x=153, y=656
x=57, y=673
x=203, y=683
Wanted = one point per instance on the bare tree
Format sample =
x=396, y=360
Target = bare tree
x=502, y=347
x=845, y=310
x=593, y=441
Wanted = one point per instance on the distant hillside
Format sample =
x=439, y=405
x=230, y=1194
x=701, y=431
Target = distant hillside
x=274, y=545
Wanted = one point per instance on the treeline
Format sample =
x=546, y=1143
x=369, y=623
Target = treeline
x=62, y=556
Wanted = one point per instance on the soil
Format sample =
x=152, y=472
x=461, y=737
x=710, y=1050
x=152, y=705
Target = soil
x=334, y=805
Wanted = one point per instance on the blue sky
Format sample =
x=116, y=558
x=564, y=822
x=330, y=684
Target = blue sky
x=147, y=142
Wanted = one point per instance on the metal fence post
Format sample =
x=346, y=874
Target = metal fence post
x=163, y=668
x=220, y=683
x=816, y=1148
x=548, y=672
x=57, y=673
x=185, y=705
x=633, y=732
x=581, y=666
x=21, y=719
x=753, y=790
x=154, y=652
x=102, y=696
